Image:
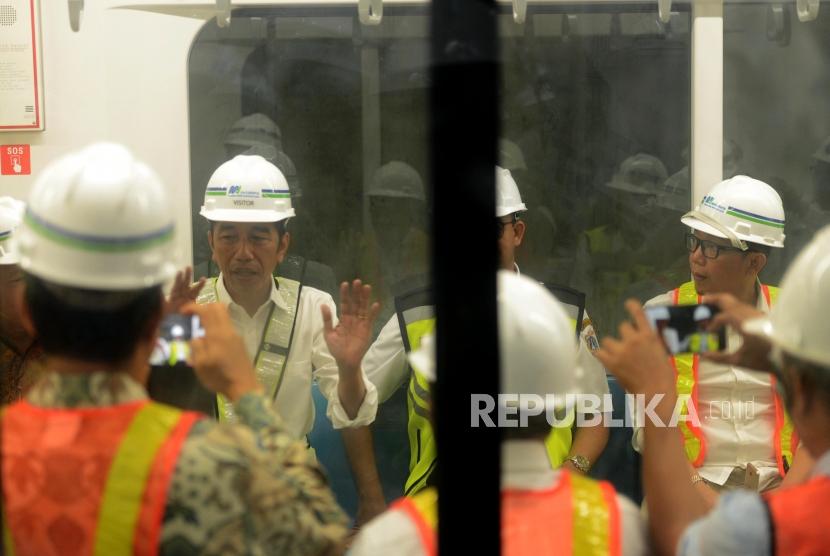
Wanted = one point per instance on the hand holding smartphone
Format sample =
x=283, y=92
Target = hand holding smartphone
x=684, y=328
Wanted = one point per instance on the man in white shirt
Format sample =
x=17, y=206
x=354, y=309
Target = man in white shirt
x=741, y=419
x=538, y=357
x=789, y=343
x=385, y=362
x=290, y=331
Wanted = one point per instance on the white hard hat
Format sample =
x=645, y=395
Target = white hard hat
x=423, y=358
x=641, y=173
x=397, y=180
x=536, y=341
x=508, y=199
x=797, y=323
x=252, y=130
x=11, y=214
x=740, y=209
x=99, y=219
x=247, y=189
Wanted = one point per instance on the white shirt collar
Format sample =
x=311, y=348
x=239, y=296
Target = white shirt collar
x=525, y=465
x=516, y=268
x=276, y=295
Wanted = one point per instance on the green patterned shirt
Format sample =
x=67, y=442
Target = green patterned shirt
x=246, y=488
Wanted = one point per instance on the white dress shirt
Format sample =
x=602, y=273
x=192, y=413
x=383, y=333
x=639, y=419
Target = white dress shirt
x=525, y=466
x=737, y=414
x=385, y=362
x=308, y=359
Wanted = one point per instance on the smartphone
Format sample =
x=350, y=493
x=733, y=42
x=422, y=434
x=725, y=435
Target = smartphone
x=173, y=343
x=172, y=380
x=683, y=328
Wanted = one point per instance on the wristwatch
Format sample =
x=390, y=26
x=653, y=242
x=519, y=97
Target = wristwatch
x=580, y=462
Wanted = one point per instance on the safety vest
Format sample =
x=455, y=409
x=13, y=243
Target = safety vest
x=275, y=345
x=800, y=526
x=422, y=511
x=686, y=369
x=89, y=481
x=578, y=516
x=416, y=317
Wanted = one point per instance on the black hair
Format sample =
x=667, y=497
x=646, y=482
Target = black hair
x=93, y=325
x=814, y=377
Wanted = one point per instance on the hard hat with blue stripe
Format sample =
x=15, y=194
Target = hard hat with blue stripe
x=740, y=209
x=247, y=189
x=99, y=219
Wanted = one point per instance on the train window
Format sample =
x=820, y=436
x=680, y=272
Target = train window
x=341, y=109
x=595, y=129
x=776, y=117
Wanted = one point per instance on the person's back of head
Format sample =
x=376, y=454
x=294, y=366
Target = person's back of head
x=798, y=329
x=96, y=243
x=538, y=350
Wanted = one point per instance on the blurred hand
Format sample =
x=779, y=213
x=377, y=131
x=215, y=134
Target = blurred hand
x=219, y=358
x=754, y=351
x=183, y=291
x=638, y=358
x=349, y=340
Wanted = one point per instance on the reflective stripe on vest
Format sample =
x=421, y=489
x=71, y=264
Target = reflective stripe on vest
x=578, y=516
x=272, y=354
x=686, y=368
x=89, y=481
x=422, y=448
x=799, y=524
x=560, y=438
x=422, y=510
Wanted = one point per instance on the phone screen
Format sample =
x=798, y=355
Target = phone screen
x=173, y=343
x=683, y=328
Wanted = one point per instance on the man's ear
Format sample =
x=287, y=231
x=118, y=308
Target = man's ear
x=757, y=261
x=210, y=243
x=519, y=229
x=282, y=248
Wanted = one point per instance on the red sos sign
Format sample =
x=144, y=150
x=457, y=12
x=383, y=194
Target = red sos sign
x=15, y=160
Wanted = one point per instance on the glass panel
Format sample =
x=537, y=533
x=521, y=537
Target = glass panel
x=776, y=78
x=596, y=127
x=350, y=105
x=595, y=130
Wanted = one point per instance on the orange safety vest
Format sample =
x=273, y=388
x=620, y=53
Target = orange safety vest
x=686, y=369
x=88, y=481
x=578, y=516
x=800, y=526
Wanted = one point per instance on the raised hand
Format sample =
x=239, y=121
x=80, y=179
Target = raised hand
x=349, y=340
x=183, y=291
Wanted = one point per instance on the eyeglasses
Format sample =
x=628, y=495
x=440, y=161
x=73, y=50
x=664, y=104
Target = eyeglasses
x=710, y=249
x=501, y=224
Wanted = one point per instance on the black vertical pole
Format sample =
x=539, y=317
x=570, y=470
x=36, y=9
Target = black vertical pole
x=464, y=131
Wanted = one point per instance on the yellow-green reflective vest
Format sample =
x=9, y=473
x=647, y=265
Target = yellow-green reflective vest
x=276, y=340
x=686, y=367
x=416, y=316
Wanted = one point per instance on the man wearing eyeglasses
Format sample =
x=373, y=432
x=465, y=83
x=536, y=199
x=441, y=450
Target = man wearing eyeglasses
x=741, y=422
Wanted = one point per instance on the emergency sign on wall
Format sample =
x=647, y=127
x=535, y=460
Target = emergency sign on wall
x=21, y=90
